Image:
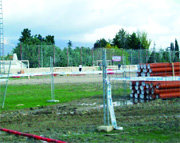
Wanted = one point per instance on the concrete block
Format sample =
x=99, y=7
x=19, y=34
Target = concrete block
x=105, y=128
x=53, y=101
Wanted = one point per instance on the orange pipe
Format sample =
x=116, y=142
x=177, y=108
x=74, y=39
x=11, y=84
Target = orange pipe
x=154, y=83
x=165, y=69
x=158, y=91
x=158, y=65
x=165, y=74
x=169, y=84
x=169, y=95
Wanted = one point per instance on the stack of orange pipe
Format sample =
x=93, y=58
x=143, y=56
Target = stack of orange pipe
x=158, y=89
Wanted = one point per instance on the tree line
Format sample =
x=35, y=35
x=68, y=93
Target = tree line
x=124, y=40
x=37, y=49
x=170, y=54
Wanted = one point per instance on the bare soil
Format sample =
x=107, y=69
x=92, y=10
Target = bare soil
x=77, y=122
x=58, y=79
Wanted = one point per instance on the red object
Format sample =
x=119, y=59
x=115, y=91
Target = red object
x=177, y=73
x=169, y=95
x=152, y=89
x=158, y=65
x=110, y=71
x=171, y=90
x=165, y=69
x=169, y=84
x=16, y=77
x=31, y=136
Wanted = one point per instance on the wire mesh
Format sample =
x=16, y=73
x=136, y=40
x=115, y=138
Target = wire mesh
x=146, y=104
x=80, y=94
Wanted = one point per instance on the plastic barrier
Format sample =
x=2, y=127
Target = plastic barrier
x=61, y=73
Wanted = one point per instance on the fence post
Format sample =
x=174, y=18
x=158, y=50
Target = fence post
x=105, y=107
x=67, y=57
x=41, y=56
x=92, y=57
x=21, y=51
x=4, y=95
x=53, y=54
x=52, y=82
x=81, y=55
x=38, y=56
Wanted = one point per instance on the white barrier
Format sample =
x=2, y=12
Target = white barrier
x=64, y=73
x=3, y=80
x=111, y=108
x=155, y=78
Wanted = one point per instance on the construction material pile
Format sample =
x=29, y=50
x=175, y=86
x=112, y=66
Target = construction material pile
x=156, y=89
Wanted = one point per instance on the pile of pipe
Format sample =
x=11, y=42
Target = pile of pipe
x=149, y=90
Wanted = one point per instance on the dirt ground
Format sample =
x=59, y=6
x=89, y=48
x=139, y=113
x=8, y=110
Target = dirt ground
x=77, y=122
x=63, y=79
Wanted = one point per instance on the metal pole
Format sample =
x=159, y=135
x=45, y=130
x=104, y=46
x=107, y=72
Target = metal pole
x=105, y=107
x=52, y=79
x=81, y=55
x=147, y=56
x=41, y=56
x=170, y=55
x=92, y=57
x=67, y=57
x=52, y=82
x=53, y=55
x=21, y=51
x=6, y=85
x=38, y=56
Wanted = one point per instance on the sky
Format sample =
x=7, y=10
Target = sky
x=86, y=21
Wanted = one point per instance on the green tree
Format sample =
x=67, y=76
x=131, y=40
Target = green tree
x=172, y=50
x=172, y=46
x=50, y=39
x=100, y=43
x=120, y=39
x=34, y=47
x=153, y=57
x=145, y=43
x=134, y=42
x=69, y=44
x=26, y=36
x=176, y=51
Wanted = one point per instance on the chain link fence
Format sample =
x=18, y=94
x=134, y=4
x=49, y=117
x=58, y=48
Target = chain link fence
x=80, y=94
x=147, y=105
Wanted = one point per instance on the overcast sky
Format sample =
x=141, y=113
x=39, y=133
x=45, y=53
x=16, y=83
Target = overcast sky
x=90, y=20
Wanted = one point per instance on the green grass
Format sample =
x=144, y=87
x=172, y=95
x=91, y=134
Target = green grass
x=127, y=136
x=27, y=96
x=121, y=92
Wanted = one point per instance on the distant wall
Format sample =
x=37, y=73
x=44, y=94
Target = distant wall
x=68, y=69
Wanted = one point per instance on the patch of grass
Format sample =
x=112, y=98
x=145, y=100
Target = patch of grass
x=128, y=135
x=131, y=133
x=121, y=92
x=26, y=96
